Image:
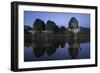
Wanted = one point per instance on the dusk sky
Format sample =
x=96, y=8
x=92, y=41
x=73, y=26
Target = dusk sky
x=61, y=19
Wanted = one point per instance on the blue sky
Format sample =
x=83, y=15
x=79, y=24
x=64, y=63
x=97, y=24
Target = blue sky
x=61, y=19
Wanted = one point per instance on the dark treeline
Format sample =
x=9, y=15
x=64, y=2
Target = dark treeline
x=51, y=30
x=40, y=26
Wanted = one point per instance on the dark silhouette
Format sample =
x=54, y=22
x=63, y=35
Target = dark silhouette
x=73, y=23
x=62, y=29
x=50, y=25
x=27, y=36
x=38, y=50
x=56, y=29
x=74, y=48
x=39, y=25
x=48, y=46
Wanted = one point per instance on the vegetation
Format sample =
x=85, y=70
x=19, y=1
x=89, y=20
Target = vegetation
x=50, y=31
x=39, y=25
x=73, y=23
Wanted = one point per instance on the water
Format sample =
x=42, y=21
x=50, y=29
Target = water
x=64, y=51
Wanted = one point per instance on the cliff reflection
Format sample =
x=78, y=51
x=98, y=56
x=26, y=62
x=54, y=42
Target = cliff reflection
x=44, y=43
x=74, y=48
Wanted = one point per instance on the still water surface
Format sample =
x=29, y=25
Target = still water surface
x=60, y=52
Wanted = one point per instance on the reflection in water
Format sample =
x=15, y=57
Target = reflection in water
x=55, y=48
x=74, y=48
x=44, y=44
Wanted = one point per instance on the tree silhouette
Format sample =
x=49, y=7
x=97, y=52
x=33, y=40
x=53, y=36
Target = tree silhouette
x=27, y=35
x=56, y=29
x=62, y=29
x=39, y=25
x=50, y=25
x=27, y=29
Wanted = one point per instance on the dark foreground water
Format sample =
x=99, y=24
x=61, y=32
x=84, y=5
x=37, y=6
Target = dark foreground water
x=75, y=51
